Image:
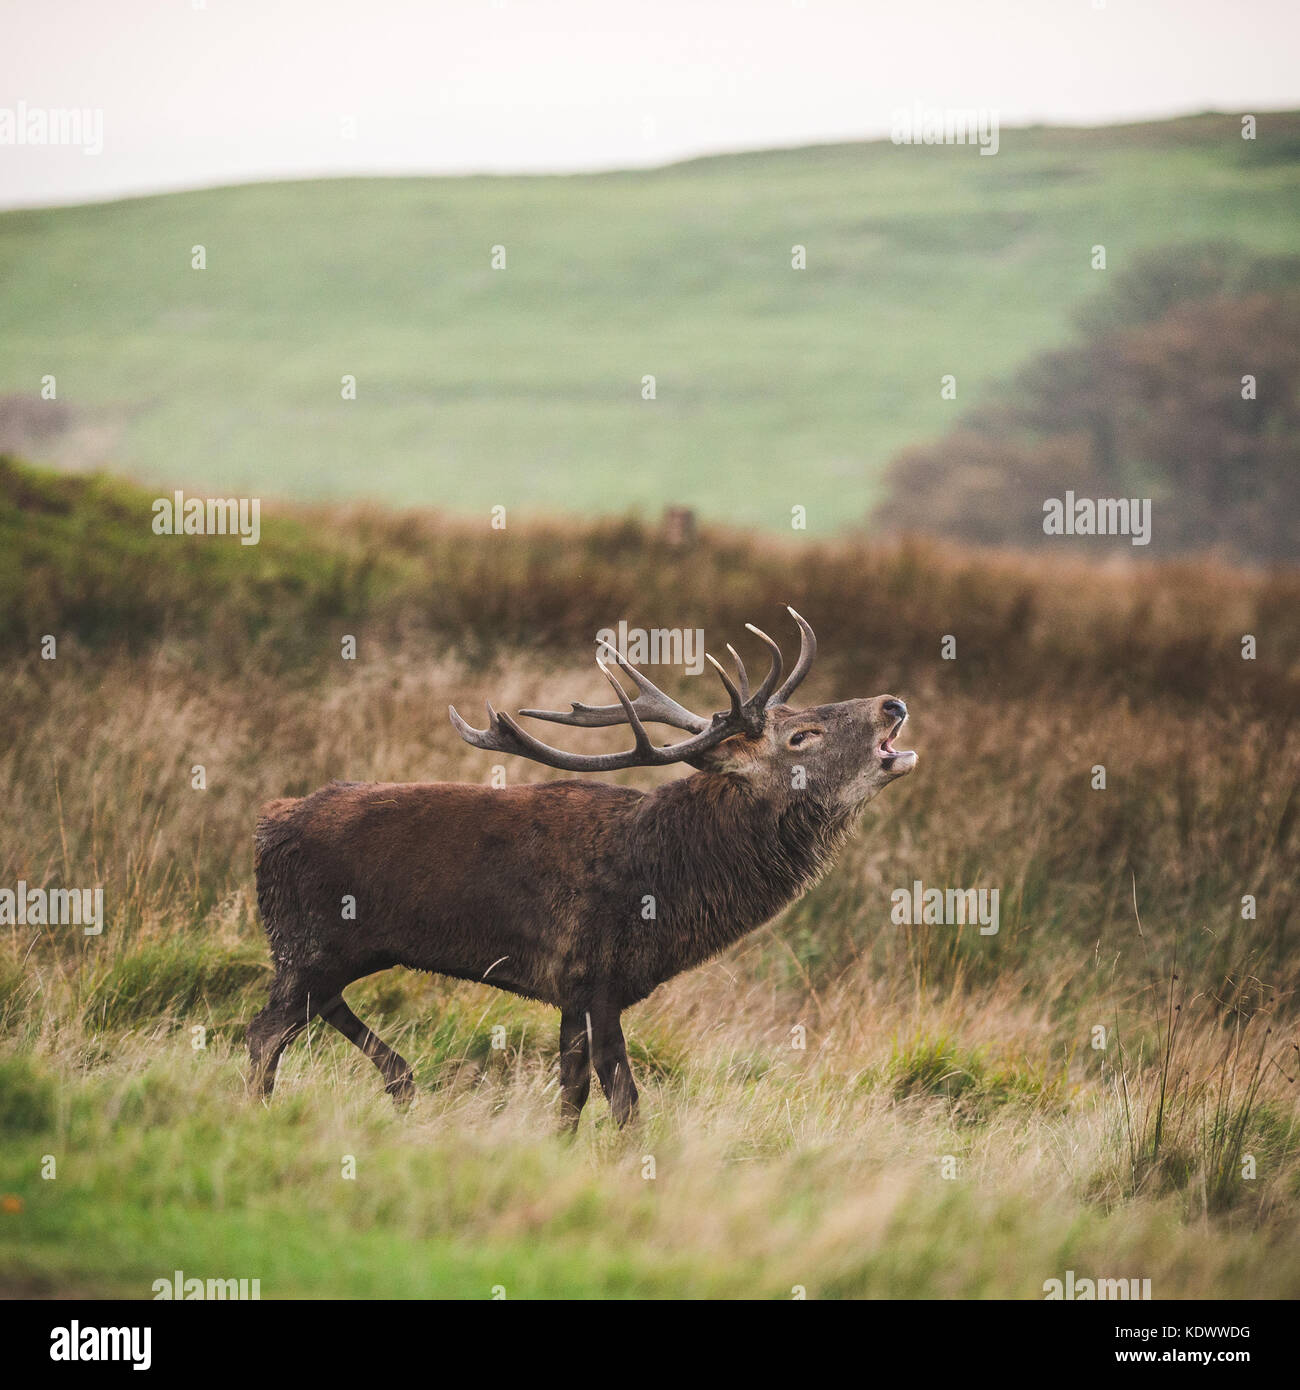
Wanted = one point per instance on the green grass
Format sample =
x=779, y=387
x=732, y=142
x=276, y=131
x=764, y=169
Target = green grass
x=801, y=1176
x=522, y=387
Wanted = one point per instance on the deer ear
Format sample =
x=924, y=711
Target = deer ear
x=739, y=753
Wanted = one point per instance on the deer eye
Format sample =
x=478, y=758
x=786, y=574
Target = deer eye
x=803, y=736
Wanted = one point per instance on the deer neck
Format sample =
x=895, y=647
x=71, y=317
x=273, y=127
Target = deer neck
x=723, y=860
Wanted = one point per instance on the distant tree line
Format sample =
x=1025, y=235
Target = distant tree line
x=1183, y=387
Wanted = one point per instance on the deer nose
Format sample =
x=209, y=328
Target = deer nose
x=895, y=708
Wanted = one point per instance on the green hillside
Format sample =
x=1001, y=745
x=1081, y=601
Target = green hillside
x=523, y=386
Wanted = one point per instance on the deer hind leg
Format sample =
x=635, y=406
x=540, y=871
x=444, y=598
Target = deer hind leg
x=399, y=1080
x=271, y=1031
x=575, y=1067
x=609, y=1053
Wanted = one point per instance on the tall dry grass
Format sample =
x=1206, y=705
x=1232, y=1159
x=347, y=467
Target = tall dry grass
x=1168, y=1151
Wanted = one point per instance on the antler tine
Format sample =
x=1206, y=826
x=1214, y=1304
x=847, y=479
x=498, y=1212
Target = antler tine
x=737, y=710
x=759, y=701
x=490, y=738
x=639, y=735
x=807, y=651
x=651, y=705
x=740, y=671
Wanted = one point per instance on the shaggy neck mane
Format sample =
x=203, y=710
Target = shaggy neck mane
x=721, y=860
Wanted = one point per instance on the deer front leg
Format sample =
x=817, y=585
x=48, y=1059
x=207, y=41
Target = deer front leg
x=575, y=1067
x=610, y=1058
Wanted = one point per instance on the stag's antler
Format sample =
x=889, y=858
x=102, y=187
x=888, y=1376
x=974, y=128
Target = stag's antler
x=747, y=715
x=652, y=706
x=807, y=651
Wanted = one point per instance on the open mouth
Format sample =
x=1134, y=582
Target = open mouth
x=885, y=748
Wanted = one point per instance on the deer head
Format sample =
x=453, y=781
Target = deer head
x=839, y=754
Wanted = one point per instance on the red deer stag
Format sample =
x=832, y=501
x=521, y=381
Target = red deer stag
x=583, y=895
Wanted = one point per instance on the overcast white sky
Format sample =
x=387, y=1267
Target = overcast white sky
x=199, y=92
